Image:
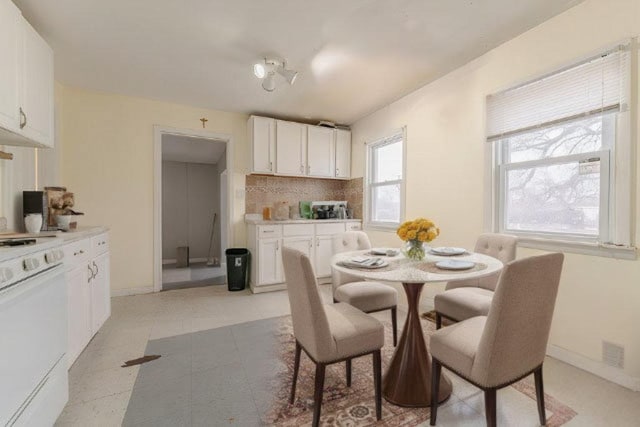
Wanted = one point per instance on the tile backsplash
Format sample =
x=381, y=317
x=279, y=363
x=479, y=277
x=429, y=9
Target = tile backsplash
x=263, y=190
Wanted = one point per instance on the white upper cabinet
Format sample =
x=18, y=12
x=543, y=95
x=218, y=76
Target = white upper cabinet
x=262, y=138
x=37, y=88
x=291, y=145
x=26, y=82
x=320, y=151
x=279, y=147
x=343, y=154
x=10, y=40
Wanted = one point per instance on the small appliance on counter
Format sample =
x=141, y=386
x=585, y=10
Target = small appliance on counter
x=329, y=209
x=35, y=203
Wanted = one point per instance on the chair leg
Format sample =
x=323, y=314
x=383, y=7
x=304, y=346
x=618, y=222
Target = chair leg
x=377, y=379
x=438, y=320
x=296, y=368
x=540, y=395
x=317, y=395
x=348, y=367
x=435, y=389
x=490, y=407
x=394, y=324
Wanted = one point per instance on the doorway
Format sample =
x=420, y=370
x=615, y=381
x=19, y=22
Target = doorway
x=191, y=206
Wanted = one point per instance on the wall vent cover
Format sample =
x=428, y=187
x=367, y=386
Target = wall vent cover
x=613, y=354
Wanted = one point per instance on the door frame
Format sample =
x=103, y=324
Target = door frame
x=158, y=132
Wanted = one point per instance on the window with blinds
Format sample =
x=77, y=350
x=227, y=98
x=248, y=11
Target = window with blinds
x=560, y=144
x=385, y=181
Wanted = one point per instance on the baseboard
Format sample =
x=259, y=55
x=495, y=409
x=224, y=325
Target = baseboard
x=131, y=291
x=594, y=367
x=173, y=261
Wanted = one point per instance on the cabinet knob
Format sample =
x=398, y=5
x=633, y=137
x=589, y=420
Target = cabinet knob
x=30, y=264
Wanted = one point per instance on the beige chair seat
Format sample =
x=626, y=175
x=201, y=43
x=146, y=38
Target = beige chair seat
x=458, y=344
x=353, y=331
x=367, y=296
x=463, y=303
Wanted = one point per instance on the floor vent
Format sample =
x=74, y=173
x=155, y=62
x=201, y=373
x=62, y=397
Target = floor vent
x=613, y=354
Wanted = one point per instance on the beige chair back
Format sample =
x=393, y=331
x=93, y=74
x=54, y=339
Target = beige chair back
x=500, y=246
x=347, y=242
x=514, y=340
x=310, y=324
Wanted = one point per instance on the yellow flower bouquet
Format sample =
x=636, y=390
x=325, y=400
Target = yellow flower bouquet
x=416, y=233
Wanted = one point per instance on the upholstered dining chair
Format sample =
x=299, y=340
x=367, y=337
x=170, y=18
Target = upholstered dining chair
x=363, y=295
x=494, y=351
x=464, y=299
x=328, y=333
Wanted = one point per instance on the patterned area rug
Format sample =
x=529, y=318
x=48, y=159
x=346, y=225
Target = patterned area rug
x=354, y=406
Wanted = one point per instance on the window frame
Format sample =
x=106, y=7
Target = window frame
x=605, y=191
x=370, y=185
x=619, y=241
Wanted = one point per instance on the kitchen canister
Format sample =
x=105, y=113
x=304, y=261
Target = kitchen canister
x=33, y=223
x=281, y=211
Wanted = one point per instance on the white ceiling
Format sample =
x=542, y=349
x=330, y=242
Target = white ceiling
x=178, y=148
x=354, y=56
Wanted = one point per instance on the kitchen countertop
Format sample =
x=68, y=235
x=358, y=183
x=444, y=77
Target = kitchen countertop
x=297, y=221
x=46, y=240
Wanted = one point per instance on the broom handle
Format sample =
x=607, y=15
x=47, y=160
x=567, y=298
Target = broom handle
x=213, y=228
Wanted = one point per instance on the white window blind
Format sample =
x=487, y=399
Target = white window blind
x=592, y=87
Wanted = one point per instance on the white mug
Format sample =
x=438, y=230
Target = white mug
x=33, y=223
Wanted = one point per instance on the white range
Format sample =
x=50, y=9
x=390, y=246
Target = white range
x=33, y=334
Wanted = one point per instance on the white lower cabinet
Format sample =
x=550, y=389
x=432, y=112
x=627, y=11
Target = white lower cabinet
x=324, y=252
x=270, y=261
x=265, y=243
x=88, y=291
x=100, y=292
x=303, y=244
x=79, y=318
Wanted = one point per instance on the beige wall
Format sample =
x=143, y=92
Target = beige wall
x=599, y=298
x=107, y=161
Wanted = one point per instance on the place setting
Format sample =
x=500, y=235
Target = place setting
x=364, y=262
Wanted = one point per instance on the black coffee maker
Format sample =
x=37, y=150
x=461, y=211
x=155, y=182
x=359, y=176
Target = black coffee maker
x=35, y=202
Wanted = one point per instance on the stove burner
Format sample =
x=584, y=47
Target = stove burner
x=17, y=242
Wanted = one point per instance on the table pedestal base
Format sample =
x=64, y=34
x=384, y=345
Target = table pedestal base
x=407, y=381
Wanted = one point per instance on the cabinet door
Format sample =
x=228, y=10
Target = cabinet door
x=324, y=252
x=320, y=151
x=303, y=244
x=10, y=46
x=100, y=292
x=343, y=154
x=79, y=311
x=290, y=148
x=270, y=262
x=37, y=88
x=262, y=134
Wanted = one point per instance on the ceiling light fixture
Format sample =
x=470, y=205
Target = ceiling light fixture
x=267, y=72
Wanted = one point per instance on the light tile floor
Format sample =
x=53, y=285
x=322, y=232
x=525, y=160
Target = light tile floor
x=100, y=390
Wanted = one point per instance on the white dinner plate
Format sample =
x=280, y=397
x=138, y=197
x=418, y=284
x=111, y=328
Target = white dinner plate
x=448, y=251
x=372, y=265
x=384, y=251
x=454, y=264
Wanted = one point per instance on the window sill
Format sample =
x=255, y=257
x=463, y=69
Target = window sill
x=584, y=248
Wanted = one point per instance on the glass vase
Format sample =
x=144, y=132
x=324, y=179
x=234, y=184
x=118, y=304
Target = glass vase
x=414, y=250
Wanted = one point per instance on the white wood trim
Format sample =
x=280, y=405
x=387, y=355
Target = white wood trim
x=615, y=375
x=158, y=131
x=131, y=291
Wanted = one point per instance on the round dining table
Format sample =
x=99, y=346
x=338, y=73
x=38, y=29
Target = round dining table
x=407, y=380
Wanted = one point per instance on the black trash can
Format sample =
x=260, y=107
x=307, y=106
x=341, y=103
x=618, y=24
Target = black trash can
x=237, y=268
